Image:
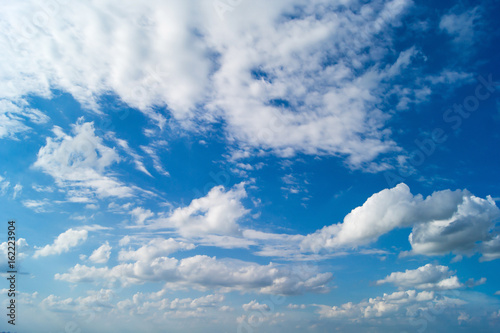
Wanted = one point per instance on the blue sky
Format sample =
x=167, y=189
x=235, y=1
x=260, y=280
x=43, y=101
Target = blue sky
x=246, y=166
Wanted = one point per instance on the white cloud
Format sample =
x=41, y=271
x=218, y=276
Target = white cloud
x=471, y=283
x=226, y=242
x=4, y=185
x=463, y=317
x=255, y=306
x=157, y=247
x=203, y=272
x=152, y=303
x=17, y=190
x=101, y=255
x=490, y=249
x=40, y=188
x=136, y=158
x=434, y=277
x=152, y=152
x=446, y=221
x=390, y=306
x=63, y=243
x=96, y=300
x=140, y=215
x=216, y=213
x=125, y=240
x=256, y=320
x=38, y=206
x=14, y=115
x=22, y=297
x=81, y=161
x=470, y=223
x=307, y=84
x=21, y=248
x=92, y=206
x=461, y=25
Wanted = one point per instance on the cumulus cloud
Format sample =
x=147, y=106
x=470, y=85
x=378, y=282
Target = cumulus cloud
x=446, y=221
x=203, y=272
x=80, y=161
x=101, y=254
x=216, y=213
x=63, y=243
x=433, y=277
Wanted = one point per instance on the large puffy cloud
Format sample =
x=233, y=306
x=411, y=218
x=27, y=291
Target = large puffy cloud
x=310, y=84
x=79, y=162
x=216, y=213
x=204, y=272
x=444, y=221
x=430, y=276
x=63, y=243
x=471, y=223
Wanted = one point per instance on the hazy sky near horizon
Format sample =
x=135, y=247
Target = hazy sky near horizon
x=251, y=166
